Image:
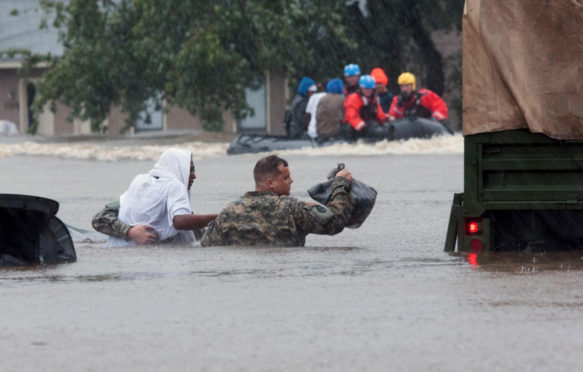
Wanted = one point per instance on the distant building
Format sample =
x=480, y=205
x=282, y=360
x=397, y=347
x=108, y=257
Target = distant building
x=17, y=93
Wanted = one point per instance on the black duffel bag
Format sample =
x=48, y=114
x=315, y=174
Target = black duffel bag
x=363, y=195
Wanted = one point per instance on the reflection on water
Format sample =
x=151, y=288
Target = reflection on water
x=516, y=262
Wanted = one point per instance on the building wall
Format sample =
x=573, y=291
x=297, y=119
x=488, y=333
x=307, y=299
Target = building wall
x=9, y=93
x=14, y=96
x=276, y=103
x=61, y=123
x=46, y=122
x=178, y=118
x=115, y=121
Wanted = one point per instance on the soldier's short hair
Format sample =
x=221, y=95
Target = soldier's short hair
x=267, y=167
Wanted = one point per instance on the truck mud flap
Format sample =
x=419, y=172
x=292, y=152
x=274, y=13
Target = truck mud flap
x=455, y=217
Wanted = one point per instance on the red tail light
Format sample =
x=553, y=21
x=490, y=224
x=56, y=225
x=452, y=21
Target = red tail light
x=473, y=226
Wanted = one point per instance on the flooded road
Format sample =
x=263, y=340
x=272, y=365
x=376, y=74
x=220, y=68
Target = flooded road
x=383, y=297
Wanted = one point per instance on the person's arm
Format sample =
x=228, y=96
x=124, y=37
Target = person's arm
x=107, y=222
x=435, y=104
x=212, y=236
x=192, y=221
x=381, y=116
x=352, y=112
x=395, y=112
x=332, y=218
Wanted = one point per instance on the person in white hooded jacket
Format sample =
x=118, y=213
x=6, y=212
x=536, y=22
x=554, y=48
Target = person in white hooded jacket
x=156, y=206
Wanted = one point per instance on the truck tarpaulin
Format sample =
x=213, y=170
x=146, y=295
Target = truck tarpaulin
x=523, y=67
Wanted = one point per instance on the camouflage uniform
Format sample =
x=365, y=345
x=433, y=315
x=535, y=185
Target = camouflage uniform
x=106, y=221
x=265, y=218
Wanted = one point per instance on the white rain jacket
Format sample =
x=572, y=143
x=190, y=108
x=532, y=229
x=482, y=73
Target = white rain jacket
x=156, y=197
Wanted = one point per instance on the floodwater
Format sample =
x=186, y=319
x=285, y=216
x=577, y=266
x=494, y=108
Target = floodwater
x=382, y=297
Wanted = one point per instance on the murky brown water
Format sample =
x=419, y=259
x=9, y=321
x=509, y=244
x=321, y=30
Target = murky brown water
x=384, y=297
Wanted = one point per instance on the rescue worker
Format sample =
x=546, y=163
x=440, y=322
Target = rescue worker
x=351, y=76
x=363, y=115
x=384, y=96
x=295, y=118
x=269, y=216
x=330, y=111
x=156, y=207
x=412, y=103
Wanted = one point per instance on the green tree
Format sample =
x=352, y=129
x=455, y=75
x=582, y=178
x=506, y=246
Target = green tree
x=198, y=54
x=202, y=54
x=396, y=35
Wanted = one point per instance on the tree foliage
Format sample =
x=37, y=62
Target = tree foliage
x=203, y=54
x=397, y=35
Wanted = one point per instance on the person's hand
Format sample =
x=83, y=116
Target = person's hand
x=345, y=173
x=392, y=118
x=143, y=234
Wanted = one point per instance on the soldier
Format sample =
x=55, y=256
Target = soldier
x=269, y=216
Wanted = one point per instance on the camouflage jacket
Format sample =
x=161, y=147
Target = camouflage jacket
x=106, y=221
x=265, y=218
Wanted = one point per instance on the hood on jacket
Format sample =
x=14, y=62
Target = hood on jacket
x=173, y=163
x=335, y=86
x=305, y=84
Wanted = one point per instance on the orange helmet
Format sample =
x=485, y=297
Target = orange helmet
x=379, y=76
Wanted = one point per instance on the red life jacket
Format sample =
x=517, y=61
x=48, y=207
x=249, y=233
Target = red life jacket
x=356, y=113
x=423, y=103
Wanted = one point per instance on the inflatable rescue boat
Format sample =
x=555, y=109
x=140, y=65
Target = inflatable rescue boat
x=402, y=129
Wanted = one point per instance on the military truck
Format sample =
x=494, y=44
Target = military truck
x=523, y=128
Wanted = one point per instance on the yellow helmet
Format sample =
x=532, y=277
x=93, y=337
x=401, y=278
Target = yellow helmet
x=407, y=78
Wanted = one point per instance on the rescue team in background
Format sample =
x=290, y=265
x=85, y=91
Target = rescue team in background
x=359, y=108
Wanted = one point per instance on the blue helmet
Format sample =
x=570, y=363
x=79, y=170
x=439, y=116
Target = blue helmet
x=351, y=70
x=366, y=81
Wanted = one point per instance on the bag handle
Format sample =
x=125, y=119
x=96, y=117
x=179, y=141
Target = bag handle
x=333, y=172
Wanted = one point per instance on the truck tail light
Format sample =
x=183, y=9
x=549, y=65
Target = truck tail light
x=473, y=227
x=476, y=245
